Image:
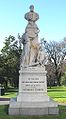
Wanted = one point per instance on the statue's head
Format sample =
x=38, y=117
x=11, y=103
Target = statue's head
x=31, y=8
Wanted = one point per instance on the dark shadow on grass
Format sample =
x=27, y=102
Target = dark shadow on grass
x=62, y=109
x=58, y=97
x=6, y=109
x=53, y=90
x=12, y=90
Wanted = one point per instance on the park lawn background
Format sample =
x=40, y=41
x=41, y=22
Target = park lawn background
x=58, y=93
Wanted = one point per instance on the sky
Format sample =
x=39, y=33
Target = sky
x=52, y=22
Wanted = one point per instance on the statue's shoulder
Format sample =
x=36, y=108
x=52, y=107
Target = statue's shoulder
x=27, y=16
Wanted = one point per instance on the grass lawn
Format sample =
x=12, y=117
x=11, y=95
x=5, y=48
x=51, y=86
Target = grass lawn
x=10, y=93
x=58, y=93
x=4, y=115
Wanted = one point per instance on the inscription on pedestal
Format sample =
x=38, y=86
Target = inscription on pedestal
x=33, y=84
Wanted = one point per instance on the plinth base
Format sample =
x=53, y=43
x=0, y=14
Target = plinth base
x=33, y=108
x=32, y=97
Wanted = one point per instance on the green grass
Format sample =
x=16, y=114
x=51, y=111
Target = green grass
x=58, y=93
x=4, y=115
x=10, y=93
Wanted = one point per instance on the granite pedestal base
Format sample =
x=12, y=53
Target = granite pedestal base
x=33, y=108
x=32, y=97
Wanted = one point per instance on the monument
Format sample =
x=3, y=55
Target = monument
x=32, y=98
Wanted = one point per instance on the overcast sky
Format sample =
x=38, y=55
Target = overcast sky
x=52, y=22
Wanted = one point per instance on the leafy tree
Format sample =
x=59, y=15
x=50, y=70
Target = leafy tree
x=11, y=61
x=56, y=52
x=2, y=79
x=63, y=79
x=51, y=78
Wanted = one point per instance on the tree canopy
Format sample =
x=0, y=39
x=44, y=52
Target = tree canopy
x=10, y=60
x=56, y=52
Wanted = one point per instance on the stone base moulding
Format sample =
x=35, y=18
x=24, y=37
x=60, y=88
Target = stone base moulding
x=33, y=108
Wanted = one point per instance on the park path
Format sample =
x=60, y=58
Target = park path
x=63, y=104
x=4, y=101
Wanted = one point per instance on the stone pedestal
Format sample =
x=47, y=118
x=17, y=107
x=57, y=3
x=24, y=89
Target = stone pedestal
x=32, y=97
